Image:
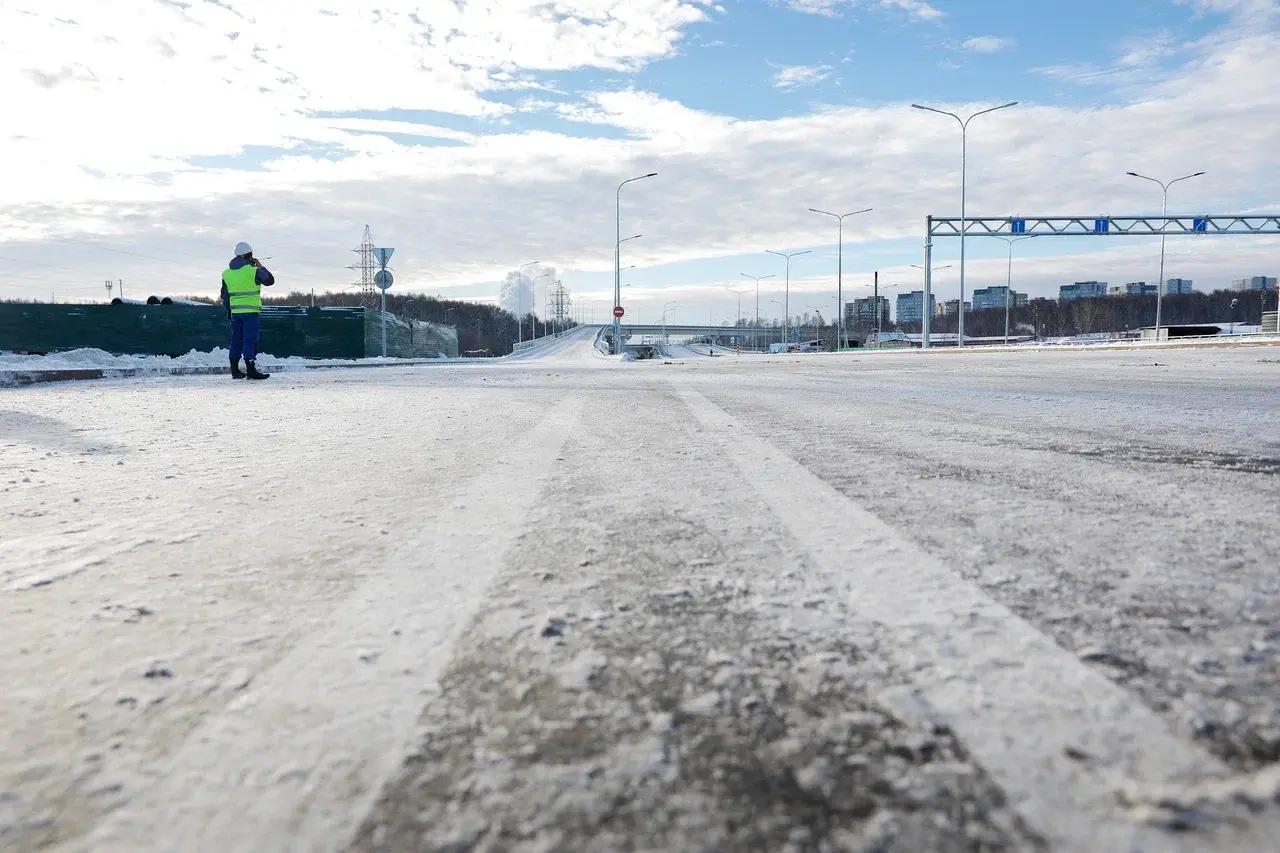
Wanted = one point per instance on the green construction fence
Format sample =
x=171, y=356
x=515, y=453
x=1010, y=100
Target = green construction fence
x=177, y=328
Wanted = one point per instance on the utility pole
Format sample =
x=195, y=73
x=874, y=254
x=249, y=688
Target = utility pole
x=876, y=301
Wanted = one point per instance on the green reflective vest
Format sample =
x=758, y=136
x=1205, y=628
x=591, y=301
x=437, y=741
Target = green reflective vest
x=243, y=290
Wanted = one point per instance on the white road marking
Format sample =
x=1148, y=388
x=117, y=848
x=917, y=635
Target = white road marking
x=1019, y=703
x=297, y=761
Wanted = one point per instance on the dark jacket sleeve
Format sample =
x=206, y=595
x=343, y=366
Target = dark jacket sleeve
x=264, y=277
x=226, y=300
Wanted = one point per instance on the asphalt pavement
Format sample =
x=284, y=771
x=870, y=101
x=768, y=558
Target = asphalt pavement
x=913, y=601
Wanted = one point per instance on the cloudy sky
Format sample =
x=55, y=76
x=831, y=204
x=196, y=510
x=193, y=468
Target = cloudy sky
x=145, y=137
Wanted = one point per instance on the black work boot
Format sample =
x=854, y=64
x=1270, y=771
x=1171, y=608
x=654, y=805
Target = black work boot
x=236, y=372
x=251, y=370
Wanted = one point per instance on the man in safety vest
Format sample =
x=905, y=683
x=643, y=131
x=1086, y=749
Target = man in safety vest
x=242, y=284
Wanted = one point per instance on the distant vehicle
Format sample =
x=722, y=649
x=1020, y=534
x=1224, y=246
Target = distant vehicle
x=889, y=338
x=796, y=346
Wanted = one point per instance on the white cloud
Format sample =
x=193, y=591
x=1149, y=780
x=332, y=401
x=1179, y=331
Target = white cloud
x=796, y=76
x=987, y=44
x=99, y=182
x=134, y=87
x=662, y=123
x=918, y=9
x=1135, y=63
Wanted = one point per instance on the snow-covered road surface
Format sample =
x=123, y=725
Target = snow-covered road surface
x=903, y=602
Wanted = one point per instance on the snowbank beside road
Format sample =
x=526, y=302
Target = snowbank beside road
x=18, y=369
x=79, y=359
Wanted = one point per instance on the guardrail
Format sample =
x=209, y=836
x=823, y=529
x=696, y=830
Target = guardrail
x=524, y=345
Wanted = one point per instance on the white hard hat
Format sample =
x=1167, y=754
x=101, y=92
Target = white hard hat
x=243, y=248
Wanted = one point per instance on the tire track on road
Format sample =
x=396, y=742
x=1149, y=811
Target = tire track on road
x=659, y=670
x=1064, y=742
x=296, y=760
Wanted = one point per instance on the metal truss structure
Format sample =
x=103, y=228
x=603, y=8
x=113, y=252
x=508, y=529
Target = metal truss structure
x=1082, y=226
x=367, y=267
x=561, y=307
x=1101, y=226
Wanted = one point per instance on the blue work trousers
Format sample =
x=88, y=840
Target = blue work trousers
x=244, y=336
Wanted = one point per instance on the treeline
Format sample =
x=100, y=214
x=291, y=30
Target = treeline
x=1049, y=318
x=481, y=328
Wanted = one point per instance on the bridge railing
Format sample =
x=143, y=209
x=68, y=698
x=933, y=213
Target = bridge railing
x=530, y=344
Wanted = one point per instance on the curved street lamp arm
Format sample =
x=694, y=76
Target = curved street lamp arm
x=959, y=120
x=637, y=178
x=989, y=110
x=1184, y=178
x=1161, y=183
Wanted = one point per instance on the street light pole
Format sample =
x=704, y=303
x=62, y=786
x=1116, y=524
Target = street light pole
x=1164, y=213
x=618, y=285
x=927, y=310
x=617, y=261
x=738, y=293
x=877, y=290
x=757, y=279
x=839, y=218
x=964, y=148
x=786, y=312
x=779, y=303
x=534, y=296
x=1008, y=281
x=665, y=306
x=817, y=324
x=520, y=301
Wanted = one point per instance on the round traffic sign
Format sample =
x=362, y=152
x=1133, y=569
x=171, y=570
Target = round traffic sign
x=383, y=278
x=617, y=311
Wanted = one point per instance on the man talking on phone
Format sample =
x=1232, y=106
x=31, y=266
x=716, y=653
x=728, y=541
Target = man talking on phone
x=242, y=284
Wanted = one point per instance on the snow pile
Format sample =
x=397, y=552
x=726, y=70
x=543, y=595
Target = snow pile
x=96, y=359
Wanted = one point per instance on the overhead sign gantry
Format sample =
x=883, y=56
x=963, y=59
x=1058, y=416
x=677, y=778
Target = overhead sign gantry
x=1081, y=226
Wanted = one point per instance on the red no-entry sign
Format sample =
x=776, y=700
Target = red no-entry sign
x=617, y=311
